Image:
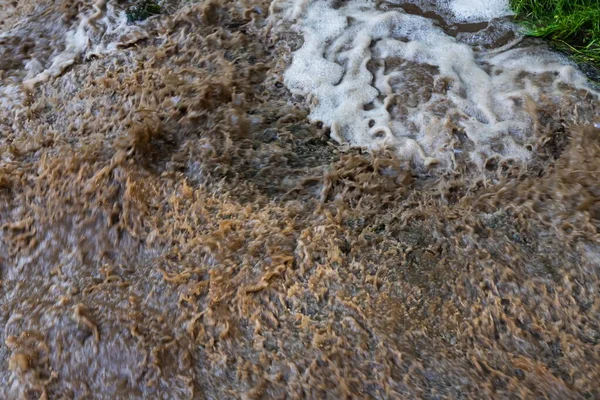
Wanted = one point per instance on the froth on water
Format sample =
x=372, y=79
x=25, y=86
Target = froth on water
x=381, y=77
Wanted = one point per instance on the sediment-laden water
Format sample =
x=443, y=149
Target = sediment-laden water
x=294, y=199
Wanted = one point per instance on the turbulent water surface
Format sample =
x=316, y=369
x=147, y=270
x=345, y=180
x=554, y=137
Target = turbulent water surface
x=294, y=199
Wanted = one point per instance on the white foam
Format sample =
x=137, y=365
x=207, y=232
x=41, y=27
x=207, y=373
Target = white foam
x=78, y=42
x=479, y=10
x=483, y=95
x=97, y=31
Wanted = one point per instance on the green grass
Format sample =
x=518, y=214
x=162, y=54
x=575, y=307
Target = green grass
x=142, y=10
x=572, y=25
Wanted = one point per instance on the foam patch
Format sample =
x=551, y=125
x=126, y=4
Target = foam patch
x=479, y=10
x=57, y=43
x=79, y=42
x=389, y=79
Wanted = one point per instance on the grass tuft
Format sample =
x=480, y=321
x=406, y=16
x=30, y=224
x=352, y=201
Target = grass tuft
x=142, y=10
x=572, y=25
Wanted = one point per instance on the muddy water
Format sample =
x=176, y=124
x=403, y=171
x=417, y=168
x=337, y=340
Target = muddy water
x=174, y=227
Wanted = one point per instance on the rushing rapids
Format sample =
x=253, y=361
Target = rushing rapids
x=187, y=209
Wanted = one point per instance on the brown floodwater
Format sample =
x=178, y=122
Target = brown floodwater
x=173, y=227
